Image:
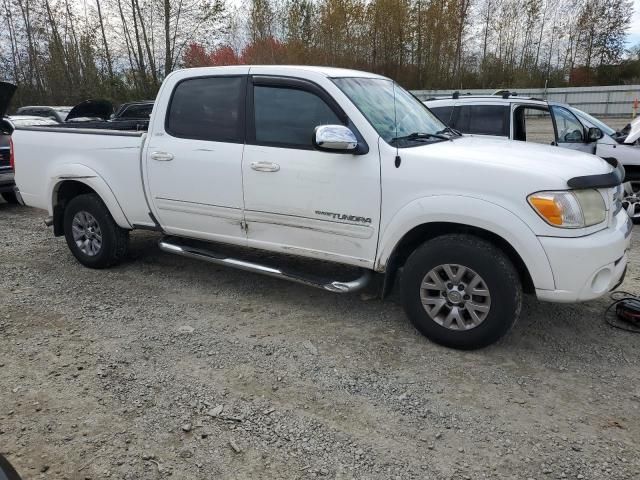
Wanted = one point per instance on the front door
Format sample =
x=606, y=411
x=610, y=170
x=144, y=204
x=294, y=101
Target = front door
x=194, y=159
x=570, y=132
x=300, y=200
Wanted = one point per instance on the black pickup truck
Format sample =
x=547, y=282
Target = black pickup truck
x=6, y=155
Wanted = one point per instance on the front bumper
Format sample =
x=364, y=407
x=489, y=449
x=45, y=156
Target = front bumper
x=588, y=267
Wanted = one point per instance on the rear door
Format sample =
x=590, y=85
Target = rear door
x=194, y=157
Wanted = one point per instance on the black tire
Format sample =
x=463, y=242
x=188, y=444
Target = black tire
x=114, y=240
x=482, y=258
x=10, y=197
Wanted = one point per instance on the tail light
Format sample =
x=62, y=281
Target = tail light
x=12, y=160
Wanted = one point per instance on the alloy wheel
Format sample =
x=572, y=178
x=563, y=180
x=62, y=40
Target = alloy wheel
x=455, y=297
x=86, y=233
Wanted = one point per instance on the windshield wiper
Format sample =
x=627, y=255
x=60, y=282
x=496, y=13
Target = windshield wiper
x=420, y=136
x=457, y=133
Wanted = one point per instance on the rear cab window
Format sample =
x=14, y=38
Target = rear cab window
x=208, y=108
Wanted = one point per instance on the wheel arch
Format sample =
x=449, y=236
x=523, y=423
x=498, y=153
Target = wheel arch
x=429, y=217
x=427, y=231
x=67, y=187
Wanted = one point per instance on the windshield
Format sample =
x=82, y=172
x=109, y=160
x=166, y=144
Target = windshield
x=606, y=129
x=390, y=109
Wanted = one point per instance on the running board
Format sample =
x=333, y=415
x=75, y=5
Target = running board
x=219, y=259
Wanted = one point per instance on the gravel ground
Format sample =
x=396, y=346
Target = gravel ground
x=166, y=367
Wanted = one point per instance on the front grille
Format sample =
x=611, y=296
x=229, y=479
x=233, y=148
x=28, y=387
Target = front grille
x=4, y=157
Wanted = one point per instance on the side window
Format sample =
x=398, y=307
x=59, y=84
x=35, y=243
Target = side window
x=443, y=114
x=570, y=130
x=288, y=116
x=209, y=108
x=534, y=125
x=483, y=119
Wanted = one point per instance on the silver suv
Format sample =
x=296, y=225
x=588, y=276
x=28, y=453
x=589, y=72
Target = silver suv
x=534, y=120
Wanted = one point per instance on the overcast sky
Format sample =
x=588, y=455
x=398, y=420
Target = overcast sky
x=634, y=31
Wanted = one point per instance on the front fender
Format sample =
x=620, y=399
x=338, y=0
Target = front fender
x=473, y=212
x=83, y=174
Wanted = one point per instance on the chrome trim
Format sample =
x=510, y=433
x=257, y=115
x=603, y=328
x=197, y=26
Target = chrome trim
x=335, y=137
x=161, y=156
x=265, y=166
x=219, y=259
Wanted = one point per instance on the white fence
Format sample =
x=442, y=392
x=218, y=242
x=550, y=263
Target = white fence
x=603, y=101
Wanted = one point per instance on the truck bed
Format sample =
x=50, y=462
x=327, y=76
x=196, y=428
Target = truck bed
x=121, y=125
x=46, y=156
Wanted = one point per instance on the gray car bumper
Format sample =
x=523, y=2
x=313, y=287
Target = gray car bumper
x=6, y=182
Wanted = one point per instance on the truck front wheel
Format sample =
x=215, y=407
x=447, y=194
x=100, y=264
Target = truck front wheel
x=92, y=235
x=461, y=291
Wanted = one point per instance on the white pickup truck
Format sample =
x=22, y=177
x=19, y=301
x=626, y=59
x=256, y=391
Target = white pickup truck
x=340, y=166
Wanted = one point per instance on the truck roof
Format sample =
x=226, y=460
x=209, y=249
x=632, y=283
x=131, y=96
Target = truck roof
x=331, y=72
x=493, y=99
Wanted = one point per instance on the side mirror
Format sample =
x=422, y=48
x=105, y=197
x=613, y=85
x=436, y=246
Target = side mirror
x=335, y=138
x=594, y=134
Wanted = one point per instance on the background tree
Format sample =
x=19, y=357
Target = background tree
x=65, y=51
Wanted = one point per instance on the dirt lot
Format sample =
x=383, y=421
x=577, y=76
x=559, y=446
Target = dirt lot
x=121, y=374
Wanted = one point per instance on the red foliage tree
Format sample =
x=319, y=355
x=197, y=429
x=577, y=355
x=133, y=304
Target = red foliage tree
x=195, y=55
x=268, y=50
x=224, y=55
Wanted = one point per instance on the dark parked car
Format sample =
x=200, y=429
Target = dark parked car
x=98, y=114
x=6, y=155
x=133, y=111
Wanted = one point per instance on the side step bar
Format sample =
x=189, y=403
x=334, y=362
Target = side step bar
x=219, y=259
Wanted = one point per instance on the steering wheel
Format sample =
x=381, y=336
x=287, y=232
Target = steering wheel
x=575, y=136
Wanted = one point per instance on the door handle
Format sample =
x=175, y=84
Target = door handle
x=265, y=166
x=162, y=156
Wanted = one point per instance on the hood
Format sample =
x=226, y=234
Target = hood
x=634, y=131
x=91, y=108
x=6, y=93
x=481, y=155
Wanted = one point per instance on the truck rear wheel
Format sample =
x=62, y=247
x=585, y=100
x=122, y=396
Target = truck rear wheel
x=92, y=235
x=461, y=291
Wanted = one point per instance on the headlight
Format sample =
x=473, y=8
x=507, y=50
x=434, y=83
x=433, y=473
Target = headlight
x=569, y=209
